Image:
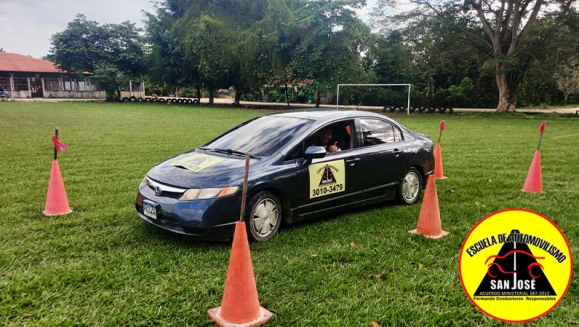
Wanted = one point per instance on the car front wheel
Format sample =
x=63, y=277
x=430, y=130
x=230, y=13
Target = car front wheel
x=263, y=216
x=410, y=186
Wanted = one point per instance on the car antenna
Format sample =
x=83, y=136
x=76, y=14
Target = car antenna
x=358, y=106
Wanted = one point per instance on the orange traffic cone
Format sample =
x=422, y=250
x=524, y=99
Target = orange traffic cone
x=429, y=223
x=56, y=200
x=438, y=171
x=240, y=306
x=534, y=182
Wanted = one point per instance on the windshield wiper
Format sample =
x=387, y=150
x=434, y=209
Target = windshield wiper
x=229, y=151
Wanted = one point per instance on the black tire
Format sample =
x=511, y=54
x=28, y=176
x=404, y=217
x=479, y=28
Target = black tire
x=155, y=100
x=263, y=216
x=450, y=110
x=442, y=110
x=162, y=100
x=391, y=108
x=410, y=186
x=421, y=109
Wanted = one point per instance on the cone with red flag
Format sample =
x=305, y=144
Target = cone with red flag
x=534, y=181
x=429, y=223
x=240, y=305
x=56, y=199
x=438, y=171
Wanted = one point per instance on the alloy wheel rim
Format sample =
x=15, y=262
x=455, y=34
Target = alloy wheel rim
x=265, y=217
x=410, y=186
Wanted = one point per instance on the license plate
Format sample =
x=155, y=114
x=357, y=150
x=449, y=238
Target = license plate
x=149, y=209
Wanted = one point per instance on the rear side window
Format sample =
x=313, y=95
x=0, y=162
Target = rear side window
x=376, y=131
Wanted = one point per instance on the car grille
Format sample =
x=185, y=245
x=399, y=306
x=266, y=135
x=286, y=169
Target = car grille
x=165, y=190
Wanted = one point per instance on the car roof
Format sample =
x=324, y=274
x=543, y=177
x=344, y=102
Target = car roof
x=324, y=114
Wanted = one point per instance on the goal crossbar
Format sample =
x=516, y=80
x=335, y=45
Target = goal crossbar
x=409, y=87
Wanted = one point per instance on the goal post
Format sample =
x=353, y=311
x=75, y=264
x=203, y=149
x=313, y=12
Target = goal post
x=409, y=88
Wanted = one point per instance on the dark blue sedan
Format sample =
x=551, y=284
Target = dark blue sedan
x=304, y=163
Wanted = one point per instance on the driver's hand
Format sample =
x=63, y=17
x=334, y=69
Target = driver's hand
x=333, y=148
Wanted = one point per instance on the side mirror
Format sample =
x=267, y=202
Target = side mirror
x=313, y=152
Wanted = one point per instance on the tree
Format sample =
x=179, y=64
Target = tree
x=167, y=60
x=567, y=79
x=506, y=25
x=329, y=41
x=111, y=53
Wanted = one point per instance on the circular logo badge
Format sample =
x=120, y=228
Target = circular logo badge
x=515, y=265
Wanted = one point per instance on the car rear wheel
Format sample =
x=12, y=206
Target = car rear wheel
x=263, y=216
x=410, y=186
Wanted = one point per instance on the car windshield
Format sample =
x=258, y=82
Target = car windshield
x=262, y=136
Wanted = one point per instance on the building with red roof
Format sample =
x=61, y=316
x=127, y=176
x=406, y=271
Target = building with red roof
x=26, y=77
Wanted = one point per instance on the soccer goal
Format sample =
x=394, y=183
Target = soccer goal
x=409, y=88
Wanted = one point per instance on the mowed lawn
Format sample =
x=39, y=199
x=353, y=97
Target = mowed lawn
x=103, y=266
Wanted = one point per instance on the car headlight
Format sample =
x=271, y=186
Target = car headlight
x=144, y=182
x=208, y=193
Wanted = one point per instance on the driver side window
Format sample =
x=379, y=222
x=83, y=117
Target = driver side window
x=334, y=137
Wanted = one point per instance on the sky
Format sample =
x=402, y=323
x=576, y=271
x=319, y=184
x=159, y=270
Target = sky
x=26, y=26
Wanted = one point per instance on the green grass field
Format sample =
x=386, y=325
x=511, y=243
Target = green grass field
x=103, y=266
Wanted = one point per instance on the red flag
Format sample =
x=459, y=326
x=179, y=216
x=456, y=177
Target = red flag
x=58, y=145
x=442, y=126
x=542, y=128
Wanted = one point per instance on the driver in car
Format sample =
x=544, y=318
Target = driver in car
x=326, y=141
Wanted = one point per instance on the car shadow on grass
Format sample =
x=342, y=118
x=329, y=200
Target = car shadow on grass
x=342, y=214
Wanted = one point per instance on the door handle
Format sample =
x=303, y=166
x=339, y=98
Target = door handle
x=352, y=161
x=396, y=152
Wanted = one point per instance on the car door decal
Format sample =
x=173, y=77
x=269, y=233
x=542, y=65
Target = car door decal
x=197, y=162
x=327, y=178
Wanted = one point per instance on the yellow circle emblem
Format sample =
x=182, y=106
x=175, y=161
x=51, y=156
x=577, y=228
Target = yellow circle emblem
x=515, y=265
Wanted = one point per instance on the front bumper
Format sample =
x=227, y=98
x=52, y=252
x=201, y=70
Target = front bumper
x=207, y=219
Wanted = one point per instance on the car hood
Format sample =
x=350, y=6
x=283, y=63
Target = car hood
x=200, y=170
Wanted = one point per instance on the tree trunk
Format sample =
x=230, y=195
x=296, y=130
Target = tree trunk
x=318, y=99
x=237, y=97
x=211, y=95
x=286, y=96
x=198, y=94
x=506, y=95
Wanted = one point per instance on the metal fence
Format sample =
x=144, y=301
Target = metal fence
x=20, y=84
x=5, y=83
x=57, y=84
x=52, y=84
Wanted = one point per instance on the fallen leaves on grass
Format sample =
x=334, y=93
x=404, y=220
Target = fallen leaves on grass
x=353, y=245
x=378, y=276
x=314, y=255
x=374, y=324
